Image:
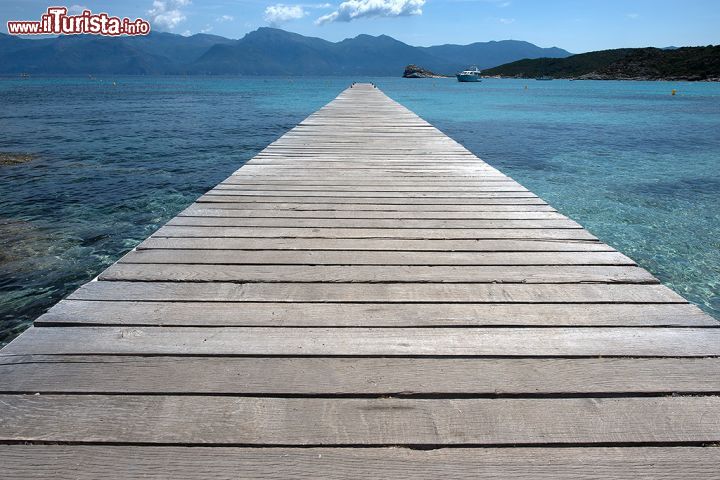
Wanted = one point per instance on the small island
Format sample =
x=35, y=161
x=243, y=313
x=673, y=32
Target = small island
x=414, y=71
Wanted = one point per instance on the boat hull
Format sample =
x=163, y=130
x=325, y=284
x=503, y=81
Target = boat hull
x=468, y=78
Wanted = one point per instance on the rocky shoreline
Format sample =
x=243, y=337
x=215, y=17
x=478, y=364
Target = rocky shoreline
x=601, y=76
x=641, y=78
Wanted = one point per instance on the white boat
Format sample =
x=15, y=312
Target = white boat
x=470, y=75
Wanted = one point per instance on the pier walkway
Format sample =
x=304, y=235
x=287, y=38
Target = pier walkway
x=365, y=299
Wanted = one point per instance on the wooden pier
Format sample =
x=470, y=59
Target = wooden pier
x=365, y=299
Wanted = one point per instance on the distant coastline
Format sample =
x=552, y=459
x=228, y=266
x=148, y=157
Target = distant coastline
x=695, y=64
x=609, y=78
x=275, y=52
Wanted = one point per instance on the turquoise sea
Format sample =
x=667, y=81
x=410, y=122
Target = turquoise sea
x=116, y=157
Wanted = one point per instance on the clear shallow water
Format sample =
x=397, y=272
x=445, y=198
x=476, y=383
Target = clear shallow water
x=636, y=166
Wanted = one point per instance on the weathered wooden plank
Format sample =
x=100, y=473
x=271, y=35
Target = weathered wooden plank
x=386, y=421
x=220, y=190
x=404, y=147
x=217, y=197
x=83, y=462
x=408, y=224
x=362, y=160
x=82, y=312
x=363, y=172
x=365, y=150
x=272, y=181
x=354, y=138
x=356, y=376
x=367, y=145
x=368, y=154
x=435, y=168
x=333, y=143
x=369, y=149
x=366, y=207
x=199, y=211
x=381, y=169
x=509, y=186
x=362, y=176
x=397, y=258
x=398, y=233
x=404, y=133
x=375, y=293
x=346, y=138
x=361, y=140
x=501, y=341
x=354, y=165
x=310, y=163
x=373, y=244
x=213, y=272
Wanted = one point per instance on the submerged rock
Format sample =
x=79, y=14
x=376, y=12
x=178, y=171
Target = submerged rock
x=23, y=241
x=413, y=71
x=7, y=158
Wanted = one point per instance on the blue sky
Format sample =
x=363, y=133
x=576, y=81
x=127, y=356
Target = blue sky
x=576, y=25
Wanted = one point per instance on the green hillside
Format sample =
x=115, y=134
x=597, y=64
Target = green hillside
x=687, y=63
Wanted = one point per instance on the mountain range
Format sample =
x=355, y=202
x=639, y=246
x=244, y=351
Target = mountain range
x=265, y=51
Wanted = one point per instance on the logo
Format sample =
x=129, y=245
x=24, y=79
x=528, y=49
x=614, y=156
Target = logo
x=56, y=21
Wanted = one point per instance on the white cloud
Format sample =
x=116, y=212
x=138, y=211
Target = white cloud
x=280, y=13
x=168, y=13
x=506, y=21
x=206, y=29
x=354, y=9
x=77, y=9
x=225, y=18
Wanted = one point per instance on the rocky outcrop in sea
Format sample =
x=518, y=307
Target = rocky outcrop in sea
x=414, y=71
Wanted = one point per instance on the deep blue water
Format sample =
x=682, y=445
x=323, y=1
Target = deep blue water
x=117, y=157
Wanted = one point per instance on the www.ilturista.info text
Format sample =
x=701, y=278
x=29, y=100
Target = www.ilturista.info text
x=56, y=21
